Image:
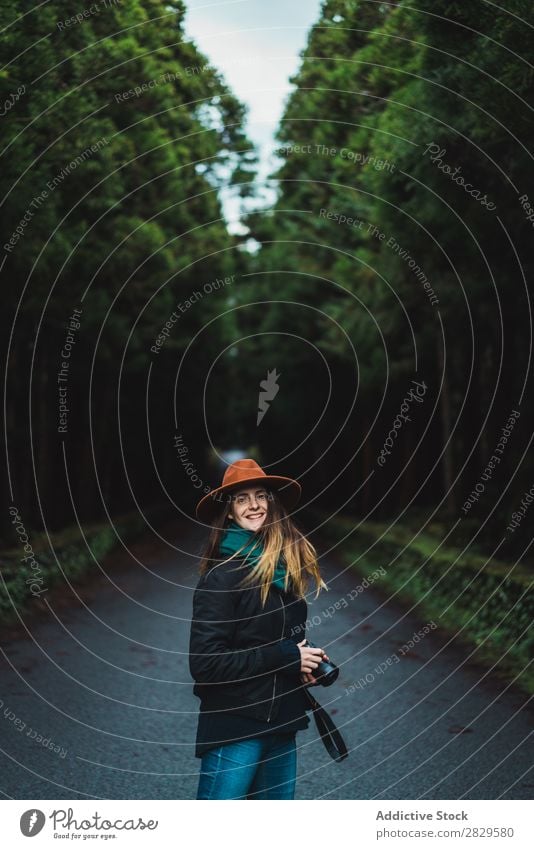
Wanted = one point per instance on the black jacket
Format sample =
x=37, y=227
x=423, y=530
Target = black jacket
x=243, y=656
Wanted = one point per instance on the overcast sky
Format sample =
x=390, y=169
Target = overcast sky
x=256, y=45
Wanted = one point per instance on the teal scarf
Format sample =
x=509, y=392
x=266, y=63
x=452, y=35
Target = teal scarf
x=234, y=537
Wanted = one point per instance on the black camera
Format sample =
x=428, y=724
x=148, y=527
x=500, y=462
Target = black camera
x=327, y=672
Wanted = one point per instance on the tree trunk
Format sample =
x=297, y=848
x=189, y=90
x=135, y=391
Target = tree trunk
x=447, y=456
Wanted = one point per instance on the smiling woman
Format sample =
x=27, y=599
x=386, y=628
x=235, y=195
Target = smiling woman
x=249, y=669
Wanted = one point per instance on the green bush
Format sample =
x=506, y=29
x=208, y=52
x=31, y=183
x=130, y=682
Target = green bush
x=488, y=603
x=67, y=556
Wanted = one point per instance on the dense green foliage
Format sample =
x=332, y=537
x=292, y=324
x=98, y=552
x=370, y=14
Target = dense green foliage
x=65, y=558
x=375, y=266
x=399, y=270
x=116, y=136
x=486, y=603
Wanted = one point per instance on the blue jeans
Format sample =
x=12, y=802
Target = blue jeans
x=257, y=768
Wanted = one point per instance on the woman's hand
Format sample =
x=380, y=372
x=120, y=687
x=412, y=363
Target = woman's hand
x=309, y=660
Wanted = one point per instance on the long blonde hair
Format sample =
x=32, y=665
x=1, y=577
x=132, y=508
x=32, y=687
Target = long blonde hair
x=278, y=535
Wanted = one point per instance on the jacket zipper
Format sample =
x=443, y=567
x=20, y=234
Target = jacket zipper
x=282, y=637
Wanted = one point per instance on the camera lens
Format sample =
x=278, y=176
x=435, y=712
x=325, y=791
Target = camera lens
x=327, y=672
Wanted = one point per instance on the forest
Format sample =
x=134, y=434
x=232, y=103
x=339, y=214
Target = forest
x=387, y=288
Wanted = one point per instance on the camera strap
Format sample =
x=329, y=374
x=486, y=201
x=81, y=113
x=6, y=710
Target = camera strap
x=332, y=739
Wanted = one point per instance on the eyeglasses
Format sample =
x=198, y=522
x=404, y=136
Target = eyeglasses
x=242, y=499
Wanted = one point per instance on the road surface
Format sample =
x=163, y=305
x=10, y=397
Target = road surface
x=98, y=703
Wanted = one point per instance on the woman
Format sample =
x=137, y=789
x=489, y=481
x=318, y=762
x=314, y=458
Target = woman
x=247, y=653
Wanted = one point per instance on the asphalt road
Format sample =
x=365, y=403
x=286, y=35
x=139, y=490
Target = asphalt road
x=97, y=700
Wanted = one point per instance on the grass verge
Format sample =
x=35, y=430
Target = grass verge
x=486, y=603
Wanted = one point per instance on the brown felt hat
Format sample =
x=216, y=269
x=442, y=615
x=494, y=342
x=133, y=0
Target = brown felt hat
x=247, y=471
